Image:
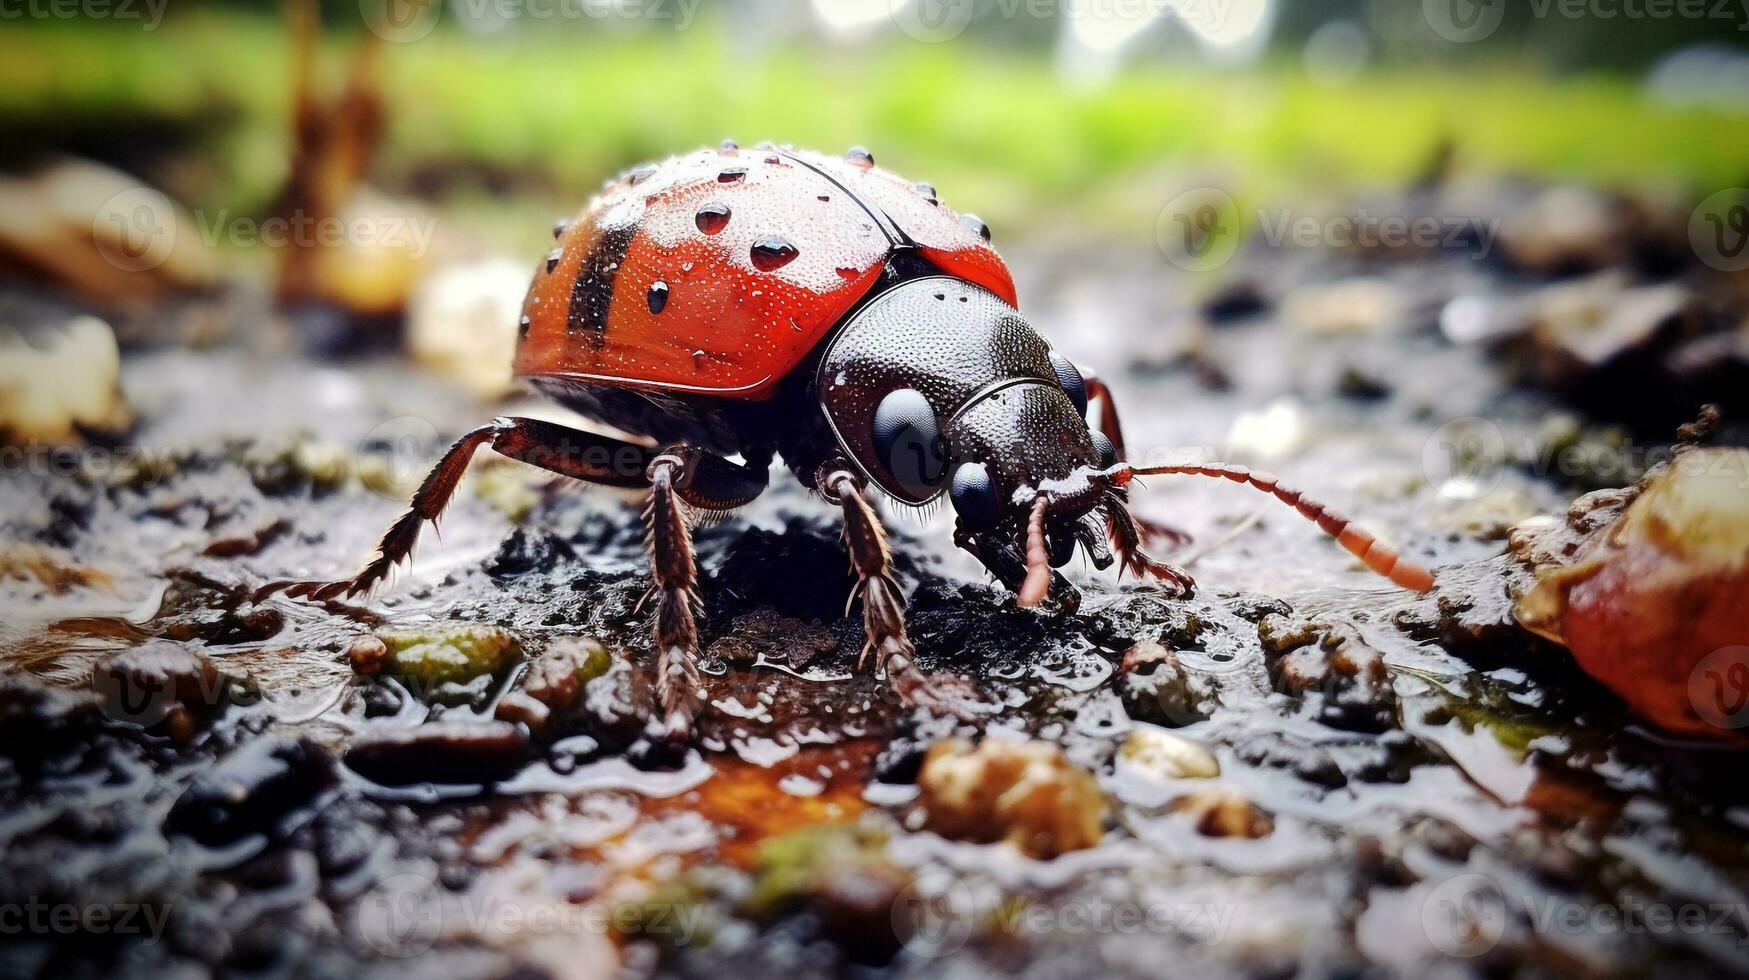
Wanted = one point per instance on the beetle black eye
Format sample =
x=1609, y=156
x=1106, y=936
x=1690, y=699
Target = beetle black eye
x=1071, y=380
x=907, y=440
x=974, y=496
x=1104, y=450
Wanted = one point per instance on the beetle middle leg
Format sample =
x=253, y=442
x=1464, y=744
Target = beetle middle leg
x=883, y=605
x=709, y=482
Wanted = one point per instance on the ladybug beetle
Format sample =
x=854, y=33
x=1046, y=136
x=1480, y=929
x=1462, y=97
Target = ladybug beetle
x=775, y=302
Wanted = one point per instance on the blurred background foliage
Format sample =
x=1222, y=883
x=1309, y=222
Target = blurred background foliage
x=1038, y=113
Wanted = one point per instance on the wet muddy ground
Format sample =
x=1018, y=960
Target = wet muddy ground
x=1345, y=779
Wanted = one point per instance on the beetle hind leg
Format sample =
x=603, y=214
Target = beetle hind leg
x=557, y=448
x=883, y=605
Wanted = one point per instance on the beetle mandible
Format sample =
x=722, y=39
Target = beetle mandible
x=776, y=302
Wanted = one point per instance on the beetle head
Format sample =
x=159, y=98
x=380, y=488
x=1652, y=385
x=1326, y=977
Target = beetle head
x=1027, y=473
x=937, y=386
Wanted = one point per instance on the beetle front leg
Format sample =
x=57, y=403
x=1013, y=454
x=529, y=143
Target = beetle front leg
x=883, y=605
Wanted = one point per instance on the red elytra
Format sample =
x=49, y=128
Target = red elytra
x=722, y=320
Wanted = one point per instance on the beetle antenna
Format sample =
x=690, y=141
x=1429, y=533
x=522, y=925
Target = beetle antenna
x=1037, y=585
x=1374, y=554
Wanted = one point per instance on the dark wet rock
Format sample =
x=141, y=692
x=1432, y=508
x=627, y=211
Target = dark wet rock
x=801, y=573
x=1472, y=607
x=1308, y=762
x=527, y=551
x=1156, y=688
x=764, y=633
x=617, y=704
x=344, y=839
x=1355, y=382
x=38, y=720
x=1235, y=300
x=1445, y=839
x=381, y=700
x=192, y=615
x=855, y=908
x=279, y=467
x=252, y=790
x=1252, y=608
x=842, y=880
x=1375, y=865
x=160, y=683
x=1387, y=758
x=901, y=758
x=1594, y=340
x=1343, y=674
x=1580, y=328
x=441, y=752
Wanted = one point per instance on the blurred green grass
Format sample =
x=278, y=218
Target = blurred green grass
x=543, y=117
